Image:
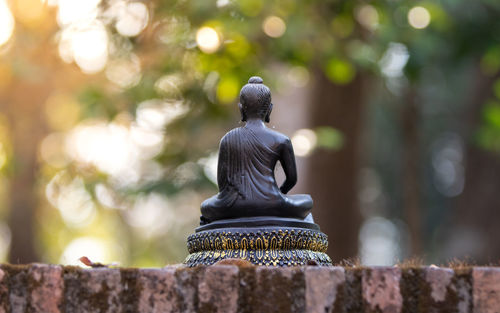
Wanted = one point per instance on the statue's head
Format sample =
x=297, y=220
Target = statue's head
x=255, y=100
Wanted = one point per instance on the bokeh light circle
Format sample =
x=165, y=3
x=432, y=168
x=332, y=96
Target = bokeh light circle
x=207, y=39
x=274, y=26
x=419, y=17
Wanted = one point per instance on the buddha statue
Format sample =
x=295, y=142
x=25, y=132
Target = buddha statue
x=247, y=160
x=251, y=218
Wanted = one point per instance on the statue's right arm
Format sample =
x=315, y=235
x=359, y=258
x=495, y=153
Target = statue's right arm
x=287, y=161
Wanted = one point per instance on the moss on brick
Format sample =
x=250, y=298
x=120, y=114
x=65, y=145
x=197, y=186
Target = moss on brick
x=131, y=290
x=339, y=304
x=17, y=278
x=14, y=283
x=417, y=292
x=79, y=297
x=187, y=278
x=298, y=290
x=351, y=298
x=287, y=293
x=462, y=287
x=248, y=284
x=410, y=285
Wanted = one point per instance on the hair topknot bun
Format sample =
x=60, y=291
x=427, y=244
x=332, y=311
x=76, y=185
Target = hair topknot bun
x=255, y=80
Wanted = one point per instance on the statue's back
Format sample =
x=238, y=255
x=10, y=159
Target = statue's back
x=249, y=161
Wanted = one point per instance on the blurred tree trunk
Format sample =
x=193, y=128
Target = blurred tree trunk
x=333, y=175
x=25, y=117
x=24, y=106
x=477, y=214
x=410, y=118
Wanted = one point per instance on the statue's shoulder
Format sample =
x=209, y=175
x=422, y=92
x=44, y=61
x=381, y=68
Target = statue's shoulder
x=230, y=133
x=279, y=137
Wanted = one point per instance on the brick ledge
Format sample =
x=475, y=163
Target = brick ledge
x=245, y=288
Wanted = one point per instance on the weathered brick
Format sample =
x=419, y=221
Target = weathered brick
x=92, y=290
x=352, y=300
x=158, y=291
x=462, y=288
x=4, y=293
x=439, y=280
x=444, y=290
x=287, y=293
x=486, y=289
x=187, y=288
x=410, y=286
x=46, y=288
x=322, y=284
x=244, y=289
x=248, y=285
x=380, y=290
x=18, y=287
x=130, y=289
x=218, y=289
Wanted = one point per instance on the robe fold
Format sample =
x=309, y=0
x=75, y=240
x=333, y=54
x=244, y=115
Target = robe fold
x=247, y=186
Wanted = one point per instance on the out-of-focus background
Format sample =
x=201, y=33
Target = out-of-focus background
x=111, y=112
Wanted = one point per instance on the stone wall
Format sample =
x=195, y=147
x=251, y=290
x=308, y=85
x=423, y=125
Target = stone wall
x=247, y=288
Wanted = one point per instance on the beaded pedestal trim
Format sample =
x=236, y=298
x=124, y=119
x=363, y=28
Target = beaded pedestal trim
x=283, y=246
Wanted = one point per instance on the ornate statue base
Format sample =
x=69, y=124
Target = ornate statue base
x=272, y=241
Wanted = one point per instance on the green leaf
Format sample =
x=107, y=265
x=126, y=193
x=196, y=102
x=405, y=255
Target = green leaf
x=228, y=88
x=251, y=7
x=340, y=71
x=490, y=62
x=491, y=112
x=496, y=88
x=329, y=138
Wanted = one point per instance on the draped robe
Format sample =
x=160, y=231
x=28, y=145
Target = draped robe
x=247, y=186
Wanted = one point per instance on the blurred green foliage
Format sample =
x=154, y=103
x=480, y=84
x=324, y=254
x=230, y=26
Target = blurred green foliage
x=342, y=39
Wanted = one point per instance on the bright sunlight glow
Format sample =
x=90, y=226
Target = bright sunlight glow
x=419, y=17
x=132, y=19
x=304, y=141
x=72, y=200
x=6, y=23
x=90, y=47
x=72, y=11
x=124, y=150
x=95, y=249
x=208, y=40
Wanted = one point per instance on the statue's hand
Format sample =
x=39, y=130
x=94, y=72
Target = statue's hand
x=203, y=220
x=283, y=189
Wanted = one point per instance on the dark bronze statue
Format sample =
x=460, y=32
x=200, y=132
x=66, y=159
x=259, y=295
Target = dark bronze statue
x=247, y=158
x=251, y=218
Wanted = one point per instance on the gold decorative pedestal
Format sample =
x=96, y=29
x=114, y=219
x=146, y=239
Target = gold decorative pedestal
x=261, y=245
